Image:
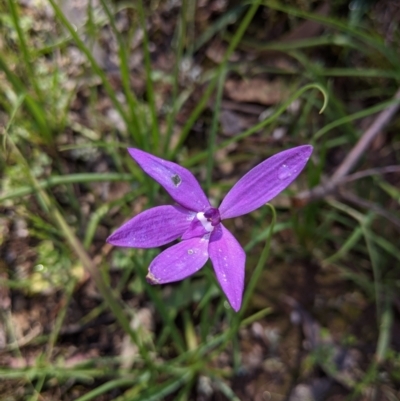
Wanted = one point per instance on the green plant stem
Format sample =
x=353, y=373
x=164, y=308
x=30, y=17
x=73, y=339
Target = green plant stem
x=53, y=336
x=228, y=17
x=164, y=312
x=281, y=109
x=6, y=319
x=214, y=129
x=204, y=99
x=190, y=334
x=180, y=32
x=257, y=316
x=237, y=319
x=125, y=79
x=24, y=48
x=104, y=388
x=376, y=270
x=31, y=104
x=355, y=116
x=96, y=68
x=385, y=329
x=355, y=31
x=149, y=83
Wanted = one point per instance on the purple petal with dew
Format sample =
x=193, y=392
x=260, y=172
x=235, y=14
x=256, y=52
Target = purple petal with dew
x=154, y=227
x=264, y=182
x=228, y=259
x=176, y=180
x=179, y=261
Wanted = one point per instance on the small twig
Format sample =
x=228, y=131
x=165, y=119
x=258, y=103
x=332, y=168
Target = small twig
x=346, y=195
x=371, y=171
x=349, y=162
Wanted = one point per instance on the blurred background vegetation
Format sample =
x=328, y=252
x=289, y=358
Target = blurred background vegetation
x=217, y=86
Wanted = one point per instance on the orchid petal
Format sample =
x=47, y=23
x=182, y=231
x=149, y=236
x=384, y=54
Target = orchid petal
x=179, y=182
x=228, y=259
x=154, y=227
x=264, y=182
x=179, y=261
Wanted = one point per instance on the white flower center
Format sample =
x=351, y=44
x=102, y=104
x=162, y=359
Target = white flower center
x=203, y=220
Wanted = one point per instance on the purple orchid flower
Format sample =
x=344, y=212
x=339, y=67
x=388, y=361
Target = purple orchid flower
x=198, y=224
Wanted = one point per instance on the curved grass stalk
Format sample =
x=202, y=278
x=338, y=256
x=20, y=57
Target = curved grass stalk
x=202, y=155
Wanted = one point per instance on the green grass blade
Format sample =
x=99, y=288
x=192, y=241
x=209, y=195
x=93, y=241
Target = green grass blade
x=256, y=274
x=204, y=99
x=93, y=63
x=125, y=78
x=214, y=129
x=355, y=116
x=79, y=178
x=155, y=131
x=24, y=49
x=180, y=39
x=105, y=388
x=32, y=105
